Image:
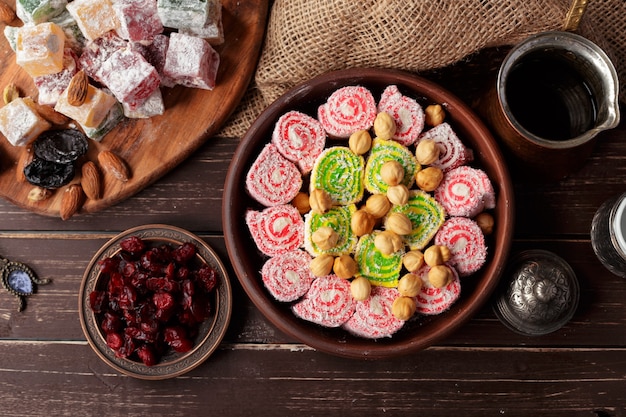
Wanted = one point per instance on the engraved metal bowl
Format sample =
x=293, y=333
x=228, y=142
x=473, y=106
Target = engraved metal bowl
x=211, y=331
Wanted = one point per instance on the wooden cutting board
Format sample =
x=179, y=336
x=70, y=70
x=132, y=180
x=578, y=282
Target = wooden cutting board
x=151, y=147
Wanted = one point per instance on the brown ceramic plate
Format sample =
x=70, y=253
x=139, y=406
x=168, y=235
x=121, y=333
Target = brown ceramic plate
x=419, y=332
x=211, y=331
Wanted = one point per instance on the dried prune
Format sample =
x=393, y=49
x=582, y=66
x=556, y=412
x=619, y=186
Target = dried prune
x=62, y=146
x=48, y=174
x=152, y=299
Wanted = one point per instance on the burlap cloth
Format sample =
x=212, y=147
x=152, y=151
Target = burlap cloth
x=306, y=38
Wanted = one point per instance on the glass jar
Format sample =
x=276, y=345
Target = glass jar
x=608, y=234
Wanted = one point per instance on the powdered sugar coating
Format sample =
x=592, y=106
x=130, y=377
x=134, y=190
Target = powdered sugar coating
x=288, y=276
x=299, y=138
x=328, y=302
x=347, y=110
x=276, y=229
x=466, y=243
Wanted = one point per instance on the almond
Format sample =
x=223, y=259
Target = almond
x=10, y=92
x=91, y=180
x=77, y=90
x=26, y=156
x=7, y=14
x=71, y=201
x=51, y=115
x=114, y=165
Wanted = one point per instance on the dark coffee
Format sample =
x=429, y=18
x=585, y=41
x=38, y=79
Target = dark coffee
x=549, y=97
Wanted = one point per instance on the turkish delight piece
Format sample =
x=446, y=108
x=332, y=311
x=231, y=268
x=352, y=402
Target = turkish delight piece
x=20, y=123
x=94, y=17
x=155, y=53
x=51, y=86
x=138, y=19
x=112, y=119
x=130, y=77
x=74, y=38
x=10, y=32
x=38, y=11
x=93, y=110
x=213, y=29
x=98, y=51
x=180, y=14
x=153, y=106
x=191, y=61
x=39, y=48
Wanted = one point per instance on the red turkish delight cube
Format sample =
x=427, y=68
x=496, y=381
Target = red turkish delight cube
x=191, y=61
x=139, y=19
x=130, y=77
x=155, y=53
x=51, y=86
x=98, y=51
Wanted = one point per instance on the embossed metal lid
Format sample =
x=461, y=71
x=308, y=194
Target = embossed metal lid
x=539, y=293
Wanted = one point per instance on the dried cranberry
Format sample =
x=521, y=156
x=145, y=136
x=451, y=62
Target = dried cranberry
x=181, y=345
x=133, y=244
x=207, y=278
x=108, y=265
x=147, y=355
x=184, y=253
x=111, y=323
x=115, y=341
x=97, y=300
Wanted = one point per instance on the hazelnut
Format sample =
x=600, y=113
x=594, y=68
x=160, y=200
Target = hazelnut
x=413, y=260
x=440, y=275
x=388, y=242
x=325, y=238
x=485, y=222
x=410, y=285
x=403, y=308
x=345, y=266
x=429, y=178
x=427, y=151
x=362, y=222
x=360, y=287
x=320, y=200
x=392, y=172
x=434, y=115
x=399, y=223
x=377, y=205
x=384, y=126
x=437, y=255
x=301, y=202
x=360, y=142
x=322, y=265
x=398, y=194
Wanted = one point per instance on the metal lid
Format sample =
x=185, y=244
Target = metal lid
x=541, y=293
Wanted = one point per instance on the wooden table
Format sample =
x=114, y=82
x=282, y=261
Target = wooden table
x=484, y=369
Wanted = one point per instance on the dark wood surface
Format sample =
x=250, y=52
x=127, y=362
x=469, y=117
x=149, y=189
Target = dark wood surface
x=484, y=369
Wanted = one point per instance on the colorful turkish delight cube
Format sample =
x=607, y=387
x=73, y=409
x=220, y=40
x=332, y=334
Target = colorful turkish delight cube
x=138, y=19
x=93, y=110
x=129, y=76
x=153, y=106
x=191, y=61
x=39, y=48
x=51, y=86
x=74, y=38
x=94, y=17
x=10, y=32
x=20, y=123
x=112, y=119
x=180, y=14
x=213, y=29
x=98, y=51
x=38, y=11
x=155, y=53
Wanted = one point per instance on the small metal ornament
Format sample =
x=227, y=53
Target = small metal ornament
x=20, y=280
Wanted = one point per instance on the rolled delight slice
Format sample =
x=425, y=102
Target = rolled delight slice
x=276, y=229
x=373, y=317
x=465, y=191
x=337, y=218
x=466, y=243
x=380, y=269
x=328, y=302
x=288, y=276
x=407, y=113
x=426, y=215
x=383, y=151
x=299, y=138
x=347, y=110
x=431, y=300
x=452, y=152
x=339, y=171
x=272, y=179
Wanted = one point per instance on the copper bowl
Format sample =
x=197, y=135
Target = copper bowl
x=211, y=331
x=418, y=333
